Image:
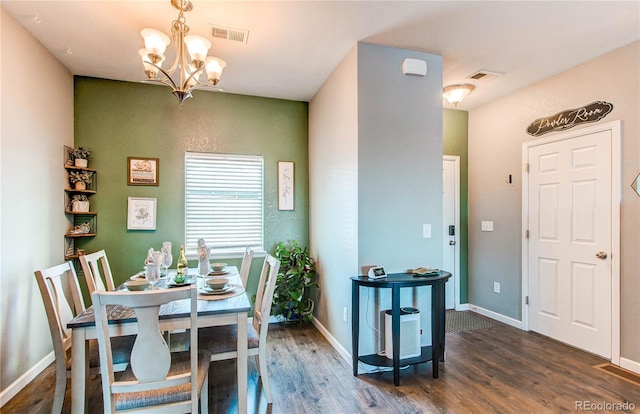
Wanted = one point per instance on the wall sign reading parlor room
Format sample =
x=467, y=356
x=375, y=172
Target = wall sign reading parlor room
x=593, y=112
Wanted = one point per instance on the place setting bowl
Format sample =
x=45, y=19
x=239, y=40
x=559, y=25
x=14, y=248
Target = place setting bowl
x=216, y=286
x=218, y=269
x=137, y=284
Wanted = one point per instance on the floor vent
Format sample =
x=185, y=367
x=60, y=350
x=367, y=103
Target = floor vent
x=227, y=33
x=621, y=373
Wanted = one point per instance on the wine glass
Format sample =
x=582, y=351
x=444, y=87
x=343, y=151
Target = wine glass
x=166, y=262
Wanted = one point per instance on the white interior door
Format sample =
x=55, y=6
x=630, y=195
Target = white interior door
x=570, y=240
x=451, y=228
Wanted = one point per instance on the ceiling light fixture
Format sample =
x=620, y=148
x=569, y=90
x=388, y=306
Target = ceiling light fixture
x=454, y=94
x=191, y=60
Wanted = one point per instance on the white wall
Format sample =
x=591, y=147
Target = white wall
x=37, y=121
x=376, y=178
x=496, y=134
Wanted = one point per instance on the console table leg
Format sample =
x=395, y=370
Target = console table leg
x=436, y=325
x=355, y=325
x=395, y=328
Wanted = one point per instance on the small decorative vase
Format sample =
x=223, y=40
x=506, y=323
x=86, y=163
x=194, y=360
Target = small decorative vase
x=80, y=162
x=80, y=185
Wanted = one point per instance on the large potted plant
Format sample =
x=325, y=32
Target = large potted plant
x=297, y=273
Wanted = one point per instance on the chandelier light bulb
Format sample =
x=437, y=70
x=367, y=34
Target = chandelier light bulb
x=214, y=67
x=149, y=69
x=198, y=48
x=155, y=41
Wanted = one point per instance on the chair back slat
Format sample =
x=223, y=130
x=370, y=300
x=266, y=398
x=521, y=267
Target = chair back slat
x=151, y=356
x=264, y=297
x=63, y=312
x=247, y=258
x=96, y=268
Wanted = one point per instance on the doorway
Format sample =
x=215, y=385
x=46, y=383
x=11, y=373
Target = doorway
x=571, y=196
x=451, y=228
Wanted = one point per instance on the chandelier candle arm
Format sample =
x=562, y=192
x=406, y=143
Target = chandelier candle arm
x=191, y=60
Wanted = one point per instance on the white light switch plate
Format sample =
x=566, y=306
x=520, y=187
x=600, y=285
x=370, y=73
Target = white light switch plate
x=426, y=231
x=487, y=226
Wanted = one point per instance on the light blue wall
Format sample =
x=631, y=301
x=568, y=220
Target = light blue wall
x=392, y=159
x=399, y=174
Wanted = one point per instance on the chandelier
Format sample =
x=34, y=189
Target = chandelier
x=192, y=67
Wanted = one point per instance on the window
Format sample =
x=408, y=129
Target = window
x=223, y=202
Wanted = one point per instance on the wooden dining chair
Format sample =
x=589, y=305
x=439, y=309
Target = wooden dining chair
x=55, y=284
x=157, y=379
x=247, y=258
x=221, y=340
x=91, y=265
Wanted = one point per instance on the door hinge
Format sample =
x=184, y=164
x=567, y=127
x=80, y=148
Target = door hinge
x=526, y=300
x=526, y=234
x=526, y=167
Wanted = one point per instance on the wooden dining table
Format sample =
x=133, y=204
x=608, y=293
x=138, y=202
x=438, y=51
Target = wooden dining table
x=212, y=311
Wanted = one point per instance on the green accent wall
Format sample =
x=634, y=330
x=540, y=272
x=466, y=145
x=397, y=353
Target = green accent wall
x=121, y=119
x=455, y=140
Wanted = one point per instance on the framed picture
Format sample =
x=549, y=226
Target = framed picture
x=286, y=193
x=141, y=213
x=143, y=171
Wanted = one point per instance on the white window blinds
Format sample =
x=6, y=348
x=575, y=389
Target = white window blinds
x=223, y=202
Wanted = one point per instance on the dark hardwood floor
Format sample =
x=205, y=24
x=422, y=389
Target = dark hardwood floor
x=496, y=370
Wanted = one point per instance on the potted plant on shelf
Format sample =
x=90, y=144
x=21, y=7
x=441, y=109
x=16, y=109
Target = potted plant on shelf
x=81, y=156
x=297, y=273
x=80, y=179
x=80, y=203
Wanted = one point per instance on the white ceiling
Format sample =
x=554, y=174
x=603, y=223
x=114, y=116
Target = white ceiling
x=293, y=46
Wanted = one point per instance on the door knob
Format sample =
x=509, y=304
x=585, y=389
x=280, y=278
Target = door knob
x=452, y=242
x=601, y=255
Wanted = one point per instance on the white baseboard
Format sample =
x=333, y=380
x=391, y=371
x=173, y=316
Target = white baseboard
x=17, y=386
x=333, y=341
x=462, y=307
x=497, y=316
x=630, y=365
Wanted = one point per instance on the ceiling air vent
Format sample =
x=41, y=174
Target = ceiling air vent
x=484, y=74
x=228, y=33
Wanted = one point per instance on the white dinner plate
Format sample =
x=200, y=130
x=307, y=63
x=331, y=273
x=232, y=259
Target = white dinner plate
x=208, y=291
x=224, y=271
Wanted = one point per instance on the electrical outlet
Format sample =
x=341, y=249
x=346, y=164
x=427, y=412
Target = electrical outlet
x=496, y=287
x=345, y=314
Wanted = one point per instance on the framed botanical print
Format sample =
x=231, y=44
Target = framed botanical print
x=286, y=194
x=141, y=213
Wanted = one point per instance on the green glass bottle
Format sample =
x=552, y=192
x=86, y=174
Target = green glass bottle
x=182, y=265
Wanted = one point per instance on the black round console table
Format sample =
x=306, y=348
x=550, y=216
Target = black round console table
x=397, y=281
